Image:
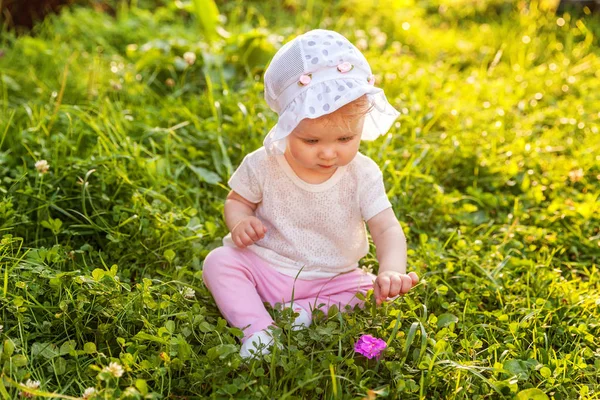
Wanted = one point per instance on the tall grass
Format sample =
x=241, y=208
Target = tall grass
x=492, y=168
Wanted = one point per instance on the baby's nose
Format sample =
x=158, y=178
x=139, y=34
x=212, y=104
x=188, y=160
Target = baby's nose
x=328, y=153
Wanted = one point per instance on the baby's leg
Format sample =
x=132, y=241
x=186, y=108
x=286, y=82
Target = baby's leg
x=232, y=275
x=341, y=291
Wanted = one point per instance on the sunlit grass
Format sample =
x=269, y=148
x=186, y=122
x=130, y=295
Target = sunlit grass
x=492, y=168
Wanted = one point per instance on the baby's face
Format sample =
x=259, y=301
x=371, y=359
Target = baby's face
x=323, y=144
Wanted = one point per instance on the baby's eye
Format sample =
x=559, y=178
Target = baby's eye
x=346, y=139
x=310, y=141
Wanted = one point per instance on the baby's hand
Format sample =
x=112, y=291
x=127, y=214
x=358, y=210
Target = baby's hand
x=248, y=231
x=393, y=283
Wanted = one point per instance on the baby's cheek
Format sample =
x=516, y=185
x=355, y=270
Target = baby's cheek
x=301, y=151
x=350, y=153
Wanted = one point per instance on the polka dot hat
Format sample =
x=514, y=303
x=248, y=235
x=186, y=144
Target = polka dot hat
x=315, y=74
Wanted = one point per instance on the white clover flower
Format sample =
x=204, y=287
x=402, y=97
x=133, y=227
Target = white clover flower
x=380, y=39
x=367, y=268
x=30, y=385
x=362, y=44
x=42, y=166
x=189, y=57
x=188, y=293
x=88, y=393
x=576, y=175
x=115, y=369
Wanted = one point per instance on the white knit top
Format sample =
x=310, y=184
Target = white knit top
x=316, y=228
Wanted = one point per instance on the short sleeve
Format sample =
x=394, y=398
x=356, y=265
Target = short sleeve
x=246, y=180
x=372, y=196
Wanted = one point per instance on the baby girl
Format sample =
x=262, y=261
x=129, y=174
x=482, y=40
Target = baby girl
x=298, y=205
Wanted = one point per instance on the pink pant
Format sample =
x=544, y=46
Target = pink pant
x=240, y=282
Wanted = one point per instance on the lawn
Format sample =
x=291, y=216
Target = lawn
x=493, y=169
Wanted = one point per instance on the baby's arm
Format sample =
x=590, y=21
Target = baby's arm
x=245, y=228
x=390, y=244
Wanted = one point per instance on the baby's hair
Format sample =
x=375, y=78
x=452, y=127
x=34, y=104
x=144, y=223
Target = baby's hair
x=355, y=109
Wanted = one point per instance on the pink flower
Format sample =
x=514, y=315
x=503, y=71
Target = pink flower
x=345, y=67
x=369, y=346
x=305, y=79
x=371, y=80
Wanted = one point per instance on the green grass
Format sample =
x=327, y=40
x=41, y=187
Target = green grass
x=493, y=170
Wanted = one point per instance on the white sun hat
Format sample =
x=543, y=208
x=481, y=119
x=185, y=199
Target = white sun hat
x=315, y=74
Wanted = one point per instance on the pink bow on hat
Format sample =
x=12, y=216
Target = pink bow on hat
x=345, y=67
x=305, y=79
